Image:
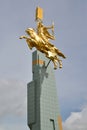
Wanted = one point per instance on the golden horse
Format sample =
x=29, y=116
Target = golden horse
x=40, y=44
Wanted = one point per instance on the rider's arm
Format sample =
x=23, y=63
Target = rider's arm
x=49, y=27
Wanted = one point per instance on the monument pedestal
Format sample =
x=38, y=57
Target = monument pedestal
x=42, y=101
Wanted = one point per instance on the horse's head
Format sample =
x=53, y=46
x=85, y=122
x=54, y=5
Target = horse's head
x=30, y=31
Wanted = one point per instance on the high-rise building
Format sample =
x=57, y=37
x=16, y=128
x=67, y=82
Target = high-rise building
x=42, y=109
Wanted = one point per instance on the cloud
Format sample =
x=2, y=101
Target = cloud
x=76, y=121
x=18, y=126
x=12, y=97
x=13, y=103
x=1, y=128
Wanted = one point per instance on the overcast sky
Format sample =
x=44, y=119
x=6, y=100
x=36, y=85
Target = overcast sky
x=70, y=18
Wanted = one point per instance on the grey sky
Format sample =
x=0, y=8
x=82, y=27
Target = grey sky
x=70, y=18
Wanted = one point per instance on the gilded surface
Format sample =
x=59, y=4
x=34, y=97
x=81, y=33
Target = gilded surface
x=40, y=39
x=39, y=13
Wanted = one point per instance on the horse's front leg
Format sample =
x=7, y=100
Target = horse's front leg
x=21, y=37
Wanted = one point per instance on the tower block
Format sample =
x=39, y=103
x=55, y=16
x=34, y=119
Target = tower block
x=42, y=101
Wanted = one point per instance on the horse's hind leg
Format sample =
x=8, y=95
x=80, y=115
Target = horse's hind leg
x=57, y=60
x=60, y=63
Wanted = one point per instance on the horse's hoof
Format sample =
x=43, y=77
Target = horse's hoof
x=20, y=37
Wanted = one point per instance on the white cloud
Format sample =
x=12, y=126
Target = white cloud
x=13, y=94
x=14, y=126
x=1, y=128
x=76, y=121
x=12, y=97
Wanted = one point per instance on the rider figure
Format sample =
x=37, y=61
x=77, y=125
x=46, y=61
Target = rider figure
x=42, y=31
